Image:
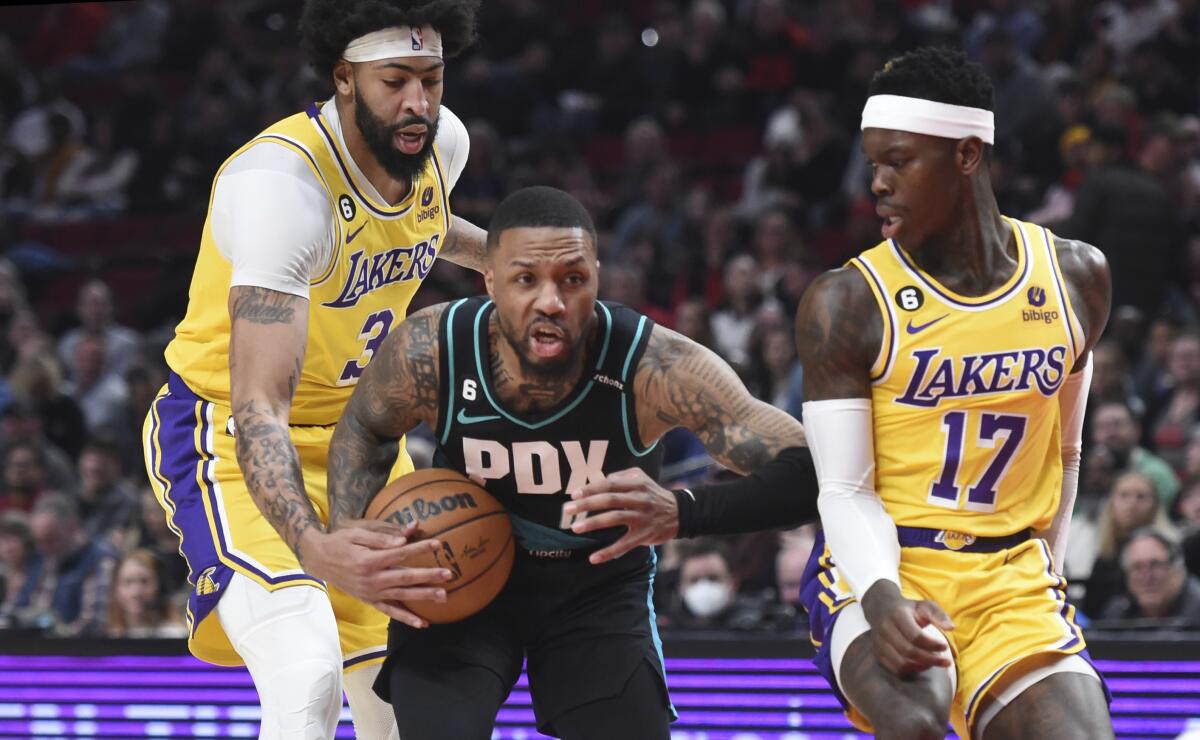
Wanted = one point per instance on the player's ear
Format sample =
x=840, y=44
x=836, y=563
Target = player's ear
x=489, y=279
x=343, y=77
x=969, y=154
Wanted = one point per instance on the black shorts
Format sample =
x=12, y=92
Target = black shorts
x=583, y=628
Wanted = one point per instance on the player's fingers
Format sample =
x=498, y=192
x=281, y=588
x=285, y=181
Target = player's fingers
x=400, y=614
x=404, y=554
x=605, y=520
x=376, y=540
x=622, y=480
x=928, y=612
x=615, y=550
x=605, y=502
x=414, y=593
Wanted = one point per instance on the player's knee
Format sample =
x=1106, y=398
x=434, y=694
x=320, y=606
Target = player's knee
x=914, y=722
x=306, y=698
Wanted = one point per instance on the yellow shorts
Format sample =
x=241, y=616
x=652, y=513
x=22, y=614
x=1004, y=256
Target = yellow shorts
x=190, y=458
x=1006, y=606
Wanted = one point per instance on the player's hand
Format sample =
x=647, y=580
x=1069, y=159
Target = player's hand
x=368, y=560
x=628, y=498
x=898, y=636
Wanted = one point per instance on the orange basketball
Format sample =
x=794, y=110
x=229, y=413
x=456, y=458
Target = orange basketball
x=473, y=527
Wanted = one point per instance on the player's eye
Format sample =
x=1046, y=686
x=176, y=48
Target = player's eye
x=524, y=278
x=575, y=279
x=432, y=82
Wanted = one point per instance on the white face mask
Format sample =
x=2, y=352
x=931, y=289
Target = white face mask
x=706, y=598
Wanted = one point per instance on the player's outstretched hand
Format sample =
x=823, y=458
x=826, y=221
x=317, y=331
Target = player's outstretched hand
x=898, y=636
x=367, y=559
x=628, y=498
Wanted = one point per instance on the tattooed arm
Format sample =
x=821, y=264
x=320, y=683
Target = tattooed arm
x=679, y=383
x=269, y=331
x=397, y=391
x=839, y=333
x=266, y=354
x=465, y=245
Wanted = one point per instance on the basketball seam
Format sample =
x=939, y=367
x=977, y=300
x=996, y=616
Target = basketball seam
x=417, y=487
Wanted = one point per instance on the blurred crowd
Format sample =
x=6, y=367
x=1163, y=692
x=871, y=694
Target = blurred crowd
x=715, y=141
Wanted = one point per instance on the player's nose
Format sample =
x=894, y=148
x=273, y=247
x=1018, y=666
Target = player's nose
x=549, y=300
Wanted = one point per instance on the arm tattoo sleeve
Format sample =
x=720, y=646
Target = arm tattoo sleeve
x=398, y=390
x=687, y=385
x=262, y=396
x=466, y=245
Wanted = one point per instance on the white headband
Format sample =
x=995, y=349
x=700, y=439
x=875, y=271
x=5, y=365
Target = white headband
x=397, y=41
x=920, y=116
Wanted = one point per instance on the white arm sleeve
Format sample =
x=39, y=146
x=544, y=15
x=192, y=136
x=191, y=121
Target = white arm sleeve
x=860, y=534
x=454, y=145
x=272, y=220
x=1072, y=403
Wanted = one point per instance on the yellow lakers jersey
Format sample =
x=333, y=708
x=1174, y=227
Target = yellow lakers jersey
x=383, y=253
x=964, y=391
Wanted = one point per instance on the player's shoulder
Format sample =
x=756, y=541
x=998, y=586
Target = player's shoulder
x=1080, y=259
x=452, y=135
x=841, y=289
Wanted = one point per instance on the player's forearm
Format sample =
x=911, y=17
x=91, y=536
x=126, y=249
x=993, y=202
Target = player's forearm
x=781, y=494
x=466, y=245
x=860, y=533
x=1072, y=406
x=271, y=468
x=359, y=464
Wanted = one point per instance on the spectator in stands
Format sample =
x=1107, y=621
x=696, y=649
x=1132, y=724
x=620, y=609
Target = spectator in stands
x=69, y=577
x=16, y=551
x=1173, y=414
x=139, y=606
x=36, y=382
x=22, y=425
x=143, y=382
x=1160, y=588
x=96, y=313
x=789, y=572
x=149, y=531
x=706, y=596
x=1111, y=379
x=733, y=324
x=627, y=285
x=24, y=475
x=107, y=503
x=1128, y=213
x=100, y=395
x=1132, y=504
x=1115, y=434
x=703, y=275
x=1189, y=513
x=775, y=374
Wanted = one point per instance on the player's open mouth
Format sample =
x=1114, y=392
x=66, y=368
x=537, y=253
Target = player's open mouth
x=410, y=141
x=547, y=341
x=891, y=225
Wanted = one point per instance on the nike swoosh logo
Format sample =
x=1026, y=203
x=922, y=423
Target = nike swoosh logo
x=464, y=419
x=922, y=327
x=350, y=238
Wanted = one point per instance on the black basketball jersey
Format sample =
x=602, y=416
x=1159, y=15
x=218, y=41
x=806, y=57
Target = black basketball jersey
x=531, y=460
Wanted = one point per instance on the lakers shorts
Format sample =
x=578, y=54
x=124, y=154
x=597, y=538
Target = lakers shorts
x=190, y=458
x=1002, y=594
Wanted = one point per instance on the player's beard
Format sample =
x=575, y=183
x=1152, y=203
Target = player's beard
x=380, y=139
x=538, y=369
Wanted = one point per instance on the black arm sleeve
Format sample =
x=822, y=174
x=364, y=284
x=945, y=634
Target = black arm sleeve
x=780, y=495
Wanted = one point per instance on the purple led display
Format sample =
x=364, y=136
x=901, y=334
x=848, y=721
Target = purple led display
x=718, y=699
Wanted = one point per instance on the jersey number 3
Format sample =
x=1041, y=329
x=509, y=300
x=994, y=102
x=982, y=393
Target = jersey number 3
x=1006, y=429
x=375, y=330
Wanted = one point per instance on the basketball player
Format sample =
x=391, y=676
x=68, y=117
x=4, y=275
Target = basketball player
x=537, y=391
x=319, y=231
x=946, y=372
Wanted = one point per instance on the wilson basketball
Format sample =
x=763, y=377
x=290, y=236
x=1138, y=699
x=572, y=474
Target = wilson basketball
x=473, y=527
